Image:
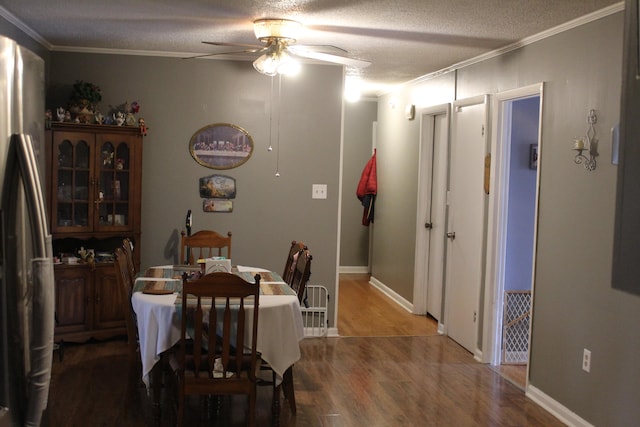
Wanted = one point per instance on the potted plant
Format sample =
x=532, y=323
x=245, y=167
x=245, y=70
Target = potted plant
x=85, y=95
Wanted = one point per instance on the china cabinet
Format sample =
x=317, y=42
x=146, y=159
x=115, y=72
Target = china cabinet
x=94, y=177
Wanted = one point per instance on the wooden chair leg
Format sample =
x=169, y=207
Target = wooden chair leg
x=252, y=409
x=287, y=387
x=275, y=402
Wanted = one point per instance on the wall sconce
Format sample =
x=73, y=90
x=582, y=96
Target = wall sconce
x=410, y=111
x=588, y=144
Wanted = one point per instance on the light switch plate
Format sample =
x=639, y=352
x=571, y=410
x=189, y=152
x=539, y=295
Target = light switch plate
x=319, y=191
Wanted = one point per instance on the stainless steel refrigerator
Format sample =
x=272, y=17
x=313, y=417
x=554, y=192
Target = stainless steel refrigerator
x=26, y=269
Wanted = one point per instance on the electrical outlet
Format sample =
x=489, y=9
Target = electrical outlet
x=586, y=360
x=319, y=191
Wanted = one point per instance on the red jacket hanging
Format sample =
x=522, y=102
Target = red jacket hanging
x=367, y=189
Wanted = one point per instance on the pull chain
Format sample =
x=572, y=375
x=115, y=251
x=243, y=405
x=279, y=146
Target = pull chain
x=271, y=117
x=278, y=126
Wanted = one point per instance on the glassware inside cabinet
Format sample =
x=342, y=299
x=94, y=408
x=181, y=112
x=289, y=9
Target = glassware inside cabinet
x=64, y=214
x=83, y=153
x=81, y=217
x=65, y=185
x=122, y=157
x=81, y=190
x=65, y=154
x=108, y=155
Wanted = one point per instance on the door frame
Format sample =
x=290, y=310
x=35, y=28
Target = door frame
x=497, y=219
x=425, y=181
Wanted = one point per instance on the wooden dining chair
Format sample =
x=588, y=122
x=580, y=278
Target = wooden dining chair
x=127, y=247
x=225, y=362
x=292, y=258
x=125, y=287
x=204, y=244
x=301, y=274
x=296, y=273
x=300, y=278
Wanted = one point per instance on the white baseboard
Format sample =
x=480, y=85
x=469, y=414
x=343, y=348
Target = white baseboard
x=333, y=332
x=353, y=269
x=392, y=294
x=555, y=408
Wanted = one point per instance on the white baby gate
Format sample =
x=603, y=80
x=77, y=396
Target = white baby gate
x=314, y=311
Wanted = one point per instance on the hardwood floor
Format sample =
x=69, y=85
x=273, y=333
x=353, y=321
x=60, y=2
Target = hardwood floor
x=355, y=381
x=364, y=311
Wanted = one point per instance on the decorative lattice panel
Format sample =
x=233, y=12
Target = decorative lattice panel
x=515, y=327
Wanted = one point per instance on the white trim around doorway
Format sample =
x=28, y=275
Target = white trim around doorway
x=497, y=219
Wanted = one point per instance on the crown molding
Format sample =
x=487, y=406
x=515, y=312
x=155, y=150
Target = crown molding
x=594, y=16
x=10, y=17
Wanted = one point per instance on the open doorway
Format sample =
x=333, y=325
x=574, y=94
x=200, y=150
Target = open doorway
x=511, y=263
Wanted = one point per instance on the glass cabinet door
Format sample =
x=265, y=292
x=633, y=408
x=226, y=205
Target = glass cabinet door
x=72, y=182
x=114, y=183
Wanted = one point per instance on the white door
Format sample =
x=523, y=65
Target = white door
x=437, y=217
x=431, y=217
x=466, y=222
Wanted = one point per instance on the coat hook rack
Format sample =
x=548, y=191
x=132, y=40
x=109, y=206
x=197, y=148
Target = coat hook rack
x=587, y=144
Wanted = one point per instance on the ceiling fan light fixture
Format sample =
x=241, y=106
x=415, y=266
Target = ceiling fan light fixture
x=266, y=29
x=288, y=65
x=276, y=61
x=266, y=64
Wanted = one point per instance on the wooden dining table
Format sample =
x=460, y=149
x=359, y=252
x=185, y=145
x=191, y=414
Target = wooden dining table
x=155, y=301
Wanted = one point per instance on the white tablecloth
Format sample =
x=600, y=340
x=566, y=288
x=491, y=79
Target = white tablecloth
x=280, y=328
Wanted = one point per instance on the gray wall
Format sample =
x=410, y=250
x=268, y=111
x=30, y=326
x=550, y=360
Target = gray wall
x=398, y=146
x=574, y=304
x=177, y=98
x=358, y=138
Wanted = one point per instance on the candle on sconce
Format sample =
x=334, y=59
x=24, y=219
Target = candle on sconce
x=578, y=144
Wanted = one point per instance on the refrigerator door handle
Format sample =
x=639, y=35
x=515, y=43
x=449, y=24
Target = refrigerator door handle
x=21, y=161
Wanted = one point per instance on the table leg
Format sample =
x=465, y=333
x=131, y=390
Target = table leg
x=275, y=404
x=155, y=378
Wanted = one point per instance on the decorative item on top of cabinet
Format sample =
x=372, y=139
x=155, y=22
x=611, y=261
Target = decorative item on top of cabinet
x=83, y=102
x=94, y=175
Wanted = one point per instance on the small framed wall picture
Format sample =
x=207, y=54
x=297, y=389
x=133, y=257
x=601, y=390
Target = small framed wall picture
x=217, y=205
x=217, y=187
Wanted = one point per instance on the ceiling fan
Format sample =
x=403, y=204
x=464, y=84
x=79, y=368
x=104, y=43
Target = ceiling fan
x=279, y=49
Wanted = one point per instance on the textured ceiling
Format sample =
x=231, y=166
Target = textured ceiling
x=403, y=39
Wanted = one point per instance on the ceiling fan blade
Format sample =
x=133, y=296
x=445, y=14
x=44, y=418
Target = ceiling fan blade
x=321, y=56
x=326, y=48
x=251, y=46
x=259, y=49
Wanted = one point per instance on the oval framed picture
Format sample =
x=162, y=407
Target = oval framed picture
x=221, y=146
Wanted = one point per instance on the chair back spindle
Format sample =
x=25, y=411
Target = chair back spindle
x=217, y=352
x=204, y=244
